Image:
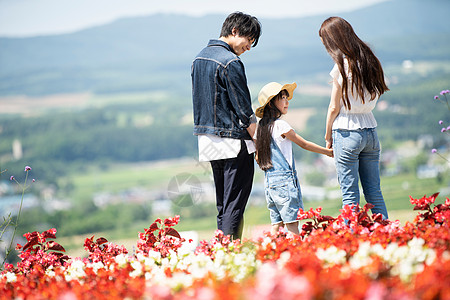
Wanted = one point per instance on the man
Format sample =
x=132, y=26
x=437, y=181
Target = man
x=223, y=117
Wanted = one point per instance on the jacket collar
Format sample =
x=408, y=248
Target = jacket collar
x=215, y=42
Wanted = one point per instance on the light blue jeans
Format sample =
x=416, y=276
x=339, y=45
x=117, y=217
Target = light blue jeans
x=283, y=196
x=357, y=157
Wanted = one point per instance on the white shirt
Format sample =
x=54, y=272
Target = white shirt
x=212, y=147
x=279, y=128
x=360, y=115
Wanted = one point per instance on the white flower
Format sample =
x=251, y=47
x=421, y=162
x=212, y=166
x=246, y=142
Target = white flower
x=405, y=261
x=155, y=255
x=284, y=258
x=200, y=265
x=49, y=272
x=137, y=268
x=180, y=280
x=332, y=255
x=121, y=260
x=361, y=257
x=75, y=270
x=173, y=259
x=431, y=256
x=359, y=260
x=11, y=277
x=242, y=266
x=97, y=266
x=185, y=250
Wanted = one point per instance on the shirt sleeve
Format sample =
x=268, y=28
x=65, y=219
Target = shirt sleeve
x=236, y=83
x=336, y=74
x=280, y=127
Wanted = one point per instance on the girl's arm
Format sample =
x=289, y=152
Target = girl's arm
x=333, y=111
x=307, y=145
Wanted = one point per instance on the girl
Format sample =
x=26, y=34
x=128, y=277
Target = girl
x=274, y=139
x=358, y=81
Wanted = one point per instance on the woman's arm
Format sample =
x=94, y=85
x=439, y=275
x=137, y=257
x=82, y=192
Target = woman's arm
x=333, y=111
x=307, y=145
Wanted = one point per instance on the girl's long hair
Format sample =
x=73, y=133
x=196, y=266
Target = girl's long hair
x=264, y=133
x=364, y=67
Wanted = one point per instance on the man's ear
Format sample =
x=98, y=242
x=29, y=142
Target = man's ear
x=234, y=32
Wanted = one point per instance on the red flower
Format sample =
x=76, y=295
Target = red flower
x=161, y=238
x=102, y=251
x=424, y=202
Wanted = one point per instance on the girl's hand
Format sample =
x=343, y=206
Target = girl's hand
x=330, y=152
x=329, y=144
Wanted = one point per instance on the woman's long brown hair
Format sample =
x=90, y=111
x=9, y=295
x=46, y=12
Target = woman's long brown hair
x=264, y=133
x=365, y=69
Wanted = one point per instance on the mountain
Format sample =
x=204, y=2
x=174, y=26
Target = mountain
x=155, y=52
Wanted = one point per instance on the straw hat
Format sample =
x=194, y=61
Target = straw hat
x=269, y=91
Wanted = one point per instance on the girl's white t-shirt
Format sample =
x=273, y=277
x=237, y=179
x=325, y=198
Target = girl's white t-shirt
x=281, y=127
x=360, y=115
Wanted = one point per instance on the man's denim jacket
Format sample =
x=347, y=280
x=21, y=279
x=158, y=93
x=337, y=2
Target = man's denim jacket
x=221, y=99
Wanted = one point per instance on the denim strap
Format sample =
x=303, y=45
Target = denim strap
x=279, y=162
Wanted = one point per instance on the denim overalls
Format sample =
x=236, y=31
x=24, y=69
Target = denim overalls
x=282, y=188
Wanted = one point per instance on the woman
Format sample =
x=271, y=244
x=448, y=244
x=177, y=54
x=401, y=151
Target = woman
x=358, y=82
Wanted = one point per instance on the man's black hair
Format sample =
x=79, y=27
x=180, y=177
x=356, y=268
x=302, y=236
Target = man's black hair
x=246, y=25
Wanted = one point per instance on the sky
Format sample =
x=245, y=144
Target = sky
x=24, y=18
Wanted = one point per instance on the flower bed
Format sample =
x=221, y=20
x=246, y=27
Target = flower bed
x=353, y=256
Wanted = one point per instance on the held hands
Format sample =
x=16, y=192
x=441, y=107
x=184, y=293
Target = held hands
x=329, y=152
x=329, y=146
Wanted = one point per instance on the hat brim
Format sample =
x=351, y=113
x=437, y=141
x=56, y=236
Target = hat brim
x=289, y=87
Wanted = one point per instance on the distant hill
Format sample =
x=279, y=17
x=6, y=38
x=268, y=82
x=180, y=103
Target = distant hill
x=155, y=52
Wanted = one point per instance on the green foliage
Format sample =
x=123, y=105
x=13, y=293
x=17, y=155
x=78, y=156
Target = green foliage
x=315, y=178
x=411, y=165
x=86, y=218
x=56, y=144
x=194, y=211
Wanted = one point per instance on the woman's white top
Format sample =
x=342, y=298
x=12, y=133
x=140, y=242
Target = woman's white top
x=360, y=115
x=281, y=127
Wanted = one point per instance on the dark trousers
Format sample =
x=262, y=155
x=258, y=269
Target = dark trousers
x=233, y=179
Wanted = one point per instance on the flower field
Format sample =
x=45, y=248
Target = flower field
x=353, y=256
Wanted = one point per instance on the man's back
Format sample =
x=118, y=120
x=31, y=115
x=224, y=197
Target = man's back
x=218, y=85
